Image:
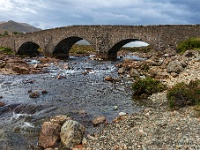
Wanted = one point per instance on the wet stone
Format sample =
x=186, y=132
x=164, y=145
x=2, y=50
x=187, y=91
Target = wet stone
x=108, y=78
x=99, y=120
x=2, y=104
x=34, y=95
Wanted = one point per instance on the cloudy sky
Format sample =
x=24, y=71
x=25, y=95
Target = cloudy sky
x=56, y=13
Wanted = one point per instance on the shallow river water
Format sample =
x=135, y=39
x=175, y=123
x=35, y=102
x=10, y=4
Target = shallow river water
x=81, y=96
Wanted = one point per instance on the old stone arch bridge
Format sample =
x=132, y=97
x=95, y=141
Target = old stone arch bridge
x=105, y=39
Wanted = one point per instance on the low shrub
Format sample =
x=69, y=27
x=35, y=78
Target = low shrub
x=182, y=95
x=147, y=86
x=189, y=44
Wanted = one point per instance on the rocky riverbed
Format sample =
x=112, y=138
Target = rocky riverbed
x=157, y=127
x=153, y=127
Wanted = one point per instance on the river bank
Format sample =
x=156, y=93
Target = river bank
x=157, y=127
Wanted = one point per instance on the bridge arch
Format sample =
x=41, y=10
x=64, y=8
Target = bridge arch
x=63, y=47
x=112, y=53
x=29, y=48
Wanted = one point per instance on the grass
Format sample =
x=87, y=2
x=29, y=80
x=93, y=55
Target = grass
x=138, y=49
x=81, y=49
x=6, y=50
x=189, y=44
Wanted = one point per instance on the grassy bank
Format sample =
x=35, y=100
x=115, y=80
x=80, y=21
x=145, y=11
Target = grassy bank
x=82, y=49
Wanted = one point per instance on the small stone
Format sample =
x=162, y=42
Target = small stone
x=2, y=104
x=121, y=70
x=128, y=76
x=84, y=141
x=108, y=78
x=48, y=149
x=91, y=137
x=44, y=92
x=34, y=95
x=122, y=113
x=116, y=108
x=35, y=66
x=98, y=120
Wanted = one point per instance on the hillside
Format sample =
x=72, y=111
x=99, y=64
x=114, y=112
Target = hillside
x=12, y=26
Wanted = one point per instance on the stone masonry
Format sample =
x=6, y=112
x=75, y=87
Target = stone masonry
x=105, y=39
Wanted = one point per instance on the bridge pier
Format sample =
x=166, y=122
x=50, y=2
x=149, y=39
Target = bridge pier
x=107, y=55
x=61, y=55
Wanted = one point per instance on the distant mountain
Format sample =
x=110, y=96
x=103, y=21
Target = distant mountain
x=12, y=26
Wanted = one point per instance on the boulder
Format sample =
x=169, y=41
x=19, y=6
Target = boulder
x=60, y=119
x=18, y=66
x=49, y=135
x=192, y=55
x=21, y=69
x=176, y=66
x=71, y=134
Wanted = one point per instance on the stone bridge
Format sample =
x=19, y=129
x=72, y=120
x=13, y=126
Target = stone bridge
x=106, y=39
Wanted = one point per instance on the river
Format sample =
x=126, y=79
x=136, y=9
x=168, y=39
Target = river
x=82, y=96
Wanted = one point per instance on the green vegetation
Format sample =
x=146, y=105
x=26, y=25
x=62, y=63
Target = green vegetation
x=143, y=49
x=5, y=33
x=189, y=44
x=15, y=32
x=144, y=87
x=6, y=50
x=81, y=49
x=182, y=95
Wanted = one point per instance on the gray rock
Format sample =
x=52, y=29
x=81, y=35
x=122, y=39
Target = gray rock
x=192, y=55
x=176, y=66
x=72, y=133
x=134, y=73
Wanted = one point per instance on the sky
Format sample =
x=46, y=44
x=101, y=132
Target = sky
x=47, y=14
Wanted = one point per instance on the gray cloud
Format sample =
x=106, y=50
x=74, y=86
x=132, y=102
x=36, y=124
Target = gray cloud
x=51, y=13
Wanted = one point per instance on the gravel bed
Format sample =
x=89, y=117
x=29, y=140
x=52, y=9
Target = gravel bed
x=151, y=129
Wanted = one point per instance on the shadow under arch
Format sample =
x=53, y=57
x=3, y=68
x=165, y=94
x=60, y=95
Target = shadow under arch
x=29, y=49
x=112, y=53
x=62, y=49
